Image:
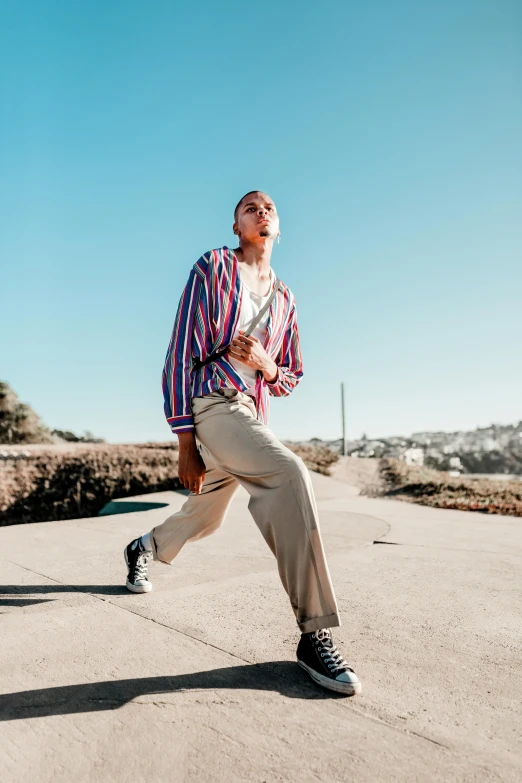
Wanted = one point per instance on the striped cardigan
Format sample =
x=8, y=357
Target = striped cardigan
x=206, y=319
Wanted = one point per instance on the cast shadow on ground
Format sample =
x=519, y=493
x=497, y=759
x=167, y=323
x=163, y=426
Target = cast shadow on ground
x=37, y=589
x=281, y=677
x=23, y=601
x=128, y=506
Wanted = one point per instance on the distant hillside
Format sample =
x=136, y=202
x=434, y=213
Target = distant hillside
x=20, y=424
x=493, y=450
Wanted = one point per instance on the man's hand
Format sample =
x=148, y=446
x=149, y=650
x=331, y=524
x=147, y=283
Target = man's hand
x=251, y=352
x=191, y=468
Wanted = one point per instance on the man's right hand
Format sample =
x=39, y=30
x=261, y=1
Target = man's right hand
x=191, y=468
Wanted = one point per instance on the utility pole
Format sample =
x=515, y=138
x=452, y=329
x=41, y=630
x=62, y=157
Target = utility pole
x=342, y=414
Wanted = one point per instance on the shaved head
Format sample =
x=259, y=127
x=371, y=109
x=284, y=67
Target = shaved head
x=250, y=193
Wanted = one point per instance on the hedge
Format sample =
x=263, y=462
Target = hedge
x=52, y=484
x=431, y=487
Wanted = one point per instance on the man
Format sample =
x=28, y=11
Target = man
x=218, y=407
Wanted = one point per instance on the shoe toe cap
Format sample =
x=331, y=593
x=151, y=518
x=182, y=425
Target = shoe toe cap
x=347, y=676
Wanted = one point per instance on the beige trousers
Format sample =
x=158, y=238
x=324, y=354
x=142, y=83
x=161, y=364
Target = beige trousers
x=238, y=449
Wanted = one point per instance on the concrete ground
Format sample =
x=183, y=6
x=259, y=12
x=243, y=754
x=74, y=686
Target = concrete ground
x=197, y=681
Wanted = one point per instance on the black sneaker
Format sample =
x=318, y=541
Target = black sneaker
x=318, y=655
x=137, y=560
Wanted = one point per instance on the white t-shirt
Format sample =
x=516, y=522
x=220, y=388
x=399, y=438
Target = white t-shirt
x=251, y=304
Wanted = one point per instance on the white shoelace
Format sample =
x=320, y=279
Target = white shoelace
x=140, y=571
x=332, y=657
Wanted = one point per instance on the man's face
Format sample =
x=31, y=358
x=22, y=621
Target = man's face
x=257, y=218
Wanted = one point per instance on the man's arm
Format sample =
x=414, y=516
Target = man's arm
x=289, y=362
x=176, y=380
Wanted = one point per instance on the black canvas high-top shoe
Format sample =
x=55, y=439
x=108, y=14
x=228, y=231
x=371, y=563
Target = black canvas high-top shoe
x=318, y=655
x=137, y=559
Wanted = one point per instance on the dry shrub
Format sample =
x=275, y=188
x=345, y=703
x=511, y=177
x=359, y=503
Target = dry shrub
x=316, y=458
x=434, y=488
x=51, y=485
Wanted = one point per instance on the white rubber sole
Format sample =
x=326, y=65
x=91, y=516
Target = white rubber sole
x=348, y=688
x=135, y=588
x=138, y=588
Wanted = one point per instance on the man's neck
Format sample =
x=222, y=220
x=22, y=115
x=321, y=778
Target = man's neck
x=256, y=257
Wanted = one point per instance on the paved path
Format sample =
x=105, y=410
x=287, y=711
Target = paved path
x=197, y=680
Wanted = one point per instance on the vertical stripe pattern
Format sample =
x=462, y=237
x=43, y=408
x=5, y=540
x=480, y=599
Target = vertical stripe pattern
x=205, y=321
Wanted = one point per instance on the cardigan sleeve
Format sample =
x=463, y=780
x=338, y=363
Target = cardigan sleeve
x=289, y=360
x=176, y=380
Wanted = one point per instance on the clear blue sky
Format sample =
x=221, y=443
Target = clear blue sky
x=388, y=134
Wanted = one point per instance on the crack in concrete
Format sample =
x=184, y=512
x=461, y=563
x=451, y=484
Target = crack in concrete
x=401, y=729
x=136, y=614
x=226, y=736
x=404, y=730
x=449, y=548
x=429, y=739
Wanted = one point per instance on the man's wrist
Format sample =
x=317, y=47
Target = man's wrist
x=187, y=439
x=270, y=372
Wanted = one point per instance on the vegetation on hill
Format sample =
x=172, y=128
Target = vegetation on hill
x=317, y=458
x=434, y=488
x=19, y=424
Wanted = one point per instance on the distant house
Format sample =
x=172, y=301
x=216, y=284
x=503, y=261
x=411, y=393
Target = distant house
x=455, y=463
x=489, y=444
x=413, y=456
